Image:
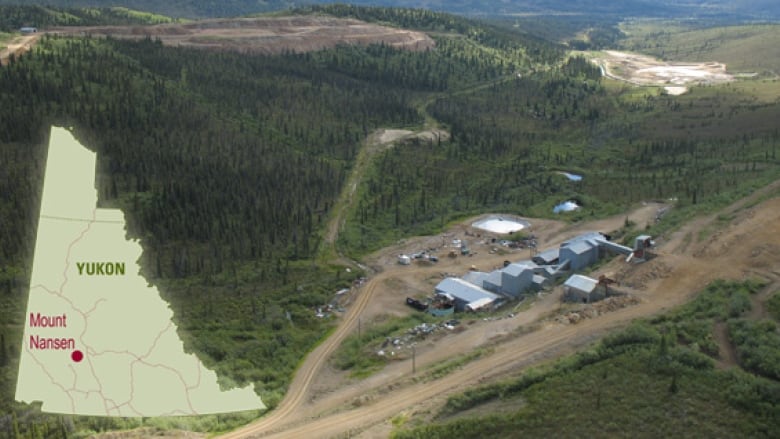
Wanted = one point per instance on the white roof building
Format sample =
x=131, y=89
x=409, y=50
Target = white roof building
x=465, y=294
x=580, y=288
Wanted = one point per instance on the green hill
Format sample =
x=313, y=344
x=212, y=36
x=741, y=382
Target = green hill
x=744, y=48
x=228, y=165
x=743, y=9
x=13, y=17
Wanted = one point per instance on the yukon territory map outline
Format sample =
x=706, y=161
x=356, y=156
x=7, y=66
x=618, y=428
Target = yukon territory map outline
x=98, y=339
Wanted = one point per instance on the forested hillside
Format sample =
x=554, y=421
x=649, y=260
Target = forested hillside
x=510, y=140
x=743, y=9
x=175, y=8
x=227, y=166
x=13, y=17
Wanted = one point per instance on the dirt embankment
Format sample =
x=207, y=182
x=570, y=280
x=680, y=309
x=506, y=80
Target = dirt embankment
x=270, y=35
x=16, y=47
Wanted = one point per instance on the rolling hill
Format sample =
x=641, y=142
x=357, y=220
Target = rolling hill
x=741, y=9
x=230, y=165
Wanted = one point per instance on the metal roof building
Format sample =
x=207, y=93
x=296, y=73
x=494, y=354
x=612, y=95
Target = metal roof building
x=493, y=282
x=518, y=268
x=476, y=277
x=517, y=277
x=512, y=280
x=547, y=257
x=593, y=237
x=580, y=254
x=479, y=304
x=580, y=288
x=540, y=282
x=464, y=293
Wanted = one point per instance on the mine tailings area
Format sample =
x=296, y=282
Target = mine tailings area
x=268, y=35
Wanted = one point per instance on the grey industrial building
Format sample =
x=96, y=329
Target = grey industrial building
x=465, y=295
x=585, y=250
x=514, y=279
x=583, y=289
x=547, y=257
x=521, y=277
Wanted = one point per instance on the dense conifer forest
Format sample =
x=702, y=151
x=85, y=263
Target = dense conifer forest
x=744, y=9
x=12, y=17
x=227, y=167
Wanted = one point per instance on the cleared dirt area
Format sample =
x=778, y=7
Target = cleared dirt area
x=385, y=136
x=16, y=47
x=647, y=71
x=326, y=403
x=269, y=35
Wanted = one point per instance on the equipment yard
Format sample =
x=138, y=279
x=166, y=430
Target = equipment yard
x=17, y=47
x=325, y=402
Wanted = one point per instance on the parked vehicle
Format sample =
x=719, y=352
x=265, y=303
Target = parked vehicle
x=416, y=304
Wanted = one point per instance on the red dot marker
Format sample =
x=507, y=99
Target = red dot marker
x=77, y=356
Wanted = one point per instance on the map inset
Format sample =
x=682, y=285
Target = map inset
x=98, y=340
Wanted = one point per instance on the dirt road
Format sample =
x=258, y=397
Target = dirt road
x=752, y=239
x=314, y=361
x=377, y=142
x=305, y=376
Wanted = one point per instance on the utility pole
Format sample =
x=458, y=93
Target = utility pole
x=358, y=329
x=414, y=360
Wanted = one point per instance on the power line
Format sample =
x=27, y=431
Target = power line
x=81, y=220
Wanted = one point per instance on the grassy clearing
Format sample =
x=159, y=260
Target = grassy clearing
x=758, y=346
x=678, y=216
x=721, y=221
x=443, y=369
x=5, y=37
x=773, y=305
x=143, y=17
x=760, y=92
x=745, y=48
x=357, y=352
x=653, y=379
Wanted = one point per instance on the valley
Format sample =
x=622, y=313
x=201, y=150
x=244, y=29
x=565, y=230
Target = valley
x=275, y=168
